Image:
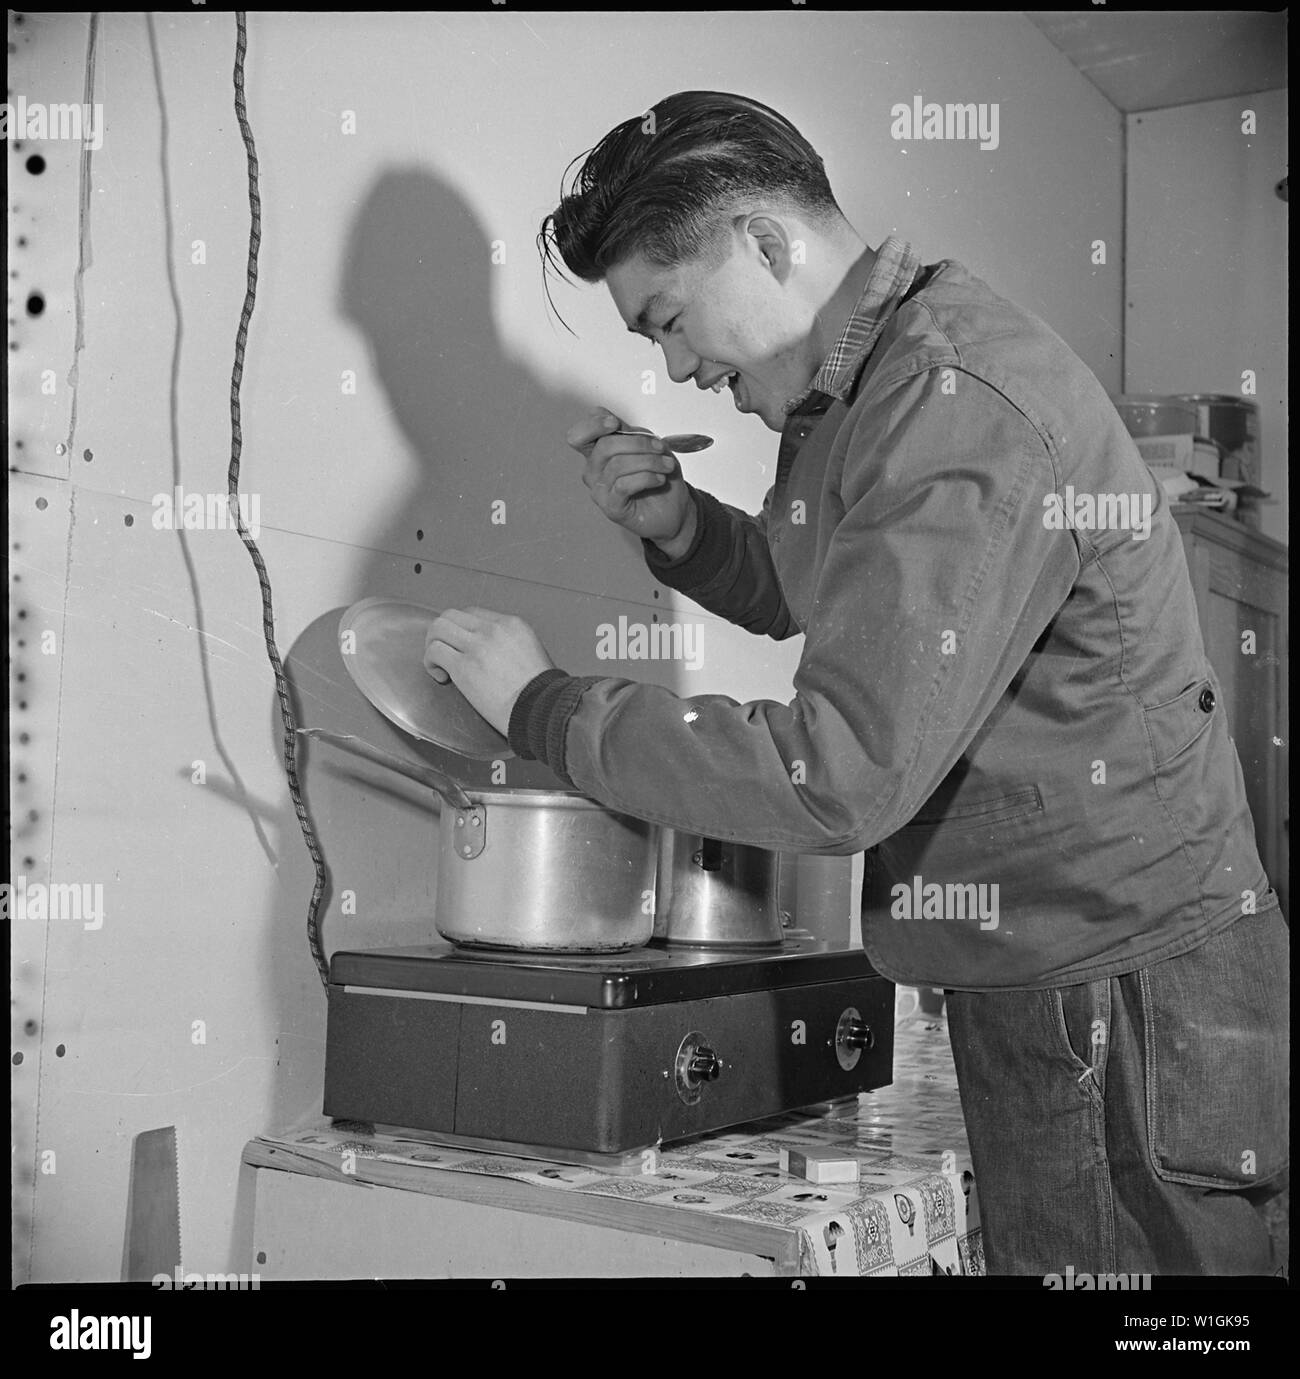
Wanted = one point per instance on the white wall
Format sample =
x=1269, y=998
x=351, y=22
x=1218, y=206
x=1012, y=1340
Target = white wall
x=1207, y=263
x=375, y=259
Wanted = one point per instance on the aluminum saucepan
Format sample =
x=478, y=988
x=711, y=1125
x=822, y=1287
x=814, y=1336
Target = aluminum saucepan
x=532, y=870
x=712, y=894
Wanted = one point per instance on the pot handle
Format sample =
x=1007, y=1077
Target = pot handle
x=710, y=854
x=450, y=790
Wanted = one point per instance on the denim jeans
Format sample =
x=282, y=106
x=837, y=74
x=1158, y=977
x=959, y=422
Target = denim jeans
x=1136, y=1124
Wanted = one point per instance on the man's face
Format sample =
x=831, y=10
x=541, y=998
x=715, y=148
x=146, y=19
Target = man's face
x=739, y=323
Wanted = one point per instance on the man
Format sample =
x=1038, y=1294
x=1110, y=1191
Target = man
x=1003, y=695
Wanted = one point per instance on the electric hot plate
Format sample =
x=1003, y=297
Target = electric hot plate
x=601, y=1052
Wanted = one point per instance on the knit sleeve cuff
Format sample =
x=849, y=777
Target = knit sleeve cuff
x=540, y=717
x=706, y=554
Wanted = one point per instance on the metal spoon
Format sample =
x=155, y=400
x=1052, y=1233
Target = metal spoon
x=687, y=443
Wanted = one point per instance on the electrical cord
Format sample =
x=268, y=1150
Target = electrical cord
x=236, y=449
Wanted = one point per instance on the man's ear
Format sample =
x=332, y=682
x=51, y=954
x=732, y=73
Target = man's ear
x=771, y=239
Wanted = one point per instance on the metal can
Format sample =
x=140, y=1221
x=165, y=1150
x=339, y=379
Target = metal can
x=1152, y=415
x=1234, y=423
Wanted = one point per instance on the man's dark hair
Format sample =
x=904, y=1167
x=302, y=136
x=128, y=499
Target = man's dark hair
x=664, y=183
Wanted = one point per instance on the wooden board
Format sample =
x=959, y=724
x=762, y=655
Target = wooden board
x=308, y=1228
x=630, y=1163
x=637, y=1218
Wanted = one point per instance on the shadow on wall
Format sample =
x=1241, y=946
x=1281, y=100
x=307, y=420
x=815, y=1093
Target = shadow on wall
x=416, y=283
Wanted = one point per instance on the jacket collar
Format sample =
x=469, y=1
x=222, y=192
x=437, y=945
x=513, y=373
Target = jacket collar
x=890, y=280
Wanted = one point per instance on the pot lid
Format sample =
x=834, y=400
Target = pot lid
x=384, y=655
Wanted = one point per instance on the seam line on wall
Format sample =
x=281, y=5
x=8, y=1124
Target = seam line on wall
x=85, y=251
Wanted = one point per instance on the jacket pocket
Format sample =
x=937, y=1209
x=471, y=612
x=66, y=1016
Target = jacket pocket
x=1172, y=727
x=1216, y=1044
x=980, y=813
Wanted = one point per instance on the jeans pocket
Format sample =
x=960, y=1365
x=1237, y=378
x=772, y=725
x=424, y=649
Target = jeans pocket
x=1081, y=1015
x=1216, y=1043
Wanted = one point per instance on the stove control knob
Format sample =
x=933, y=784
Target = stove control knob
x=858, y=1035
x=696, y=1064
x=705, y=1065
x=852, y=1036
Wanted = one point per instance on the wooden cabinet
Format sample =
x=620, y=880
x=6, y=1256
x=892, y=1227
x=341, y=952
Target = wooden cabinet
x=1240, y=581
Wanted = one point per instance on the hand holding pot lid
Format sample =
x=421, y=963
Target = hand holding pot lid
x=383, y=642
x=490, y=657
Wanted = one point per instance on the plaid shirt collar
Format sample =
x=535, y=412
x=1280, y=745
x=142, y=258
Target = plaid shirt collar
x=892, y=276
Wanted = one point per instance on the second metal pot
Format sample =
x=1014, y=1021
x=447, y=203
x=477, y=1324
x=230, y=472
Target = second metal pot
x=716, y=895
